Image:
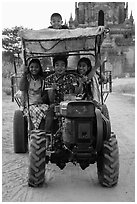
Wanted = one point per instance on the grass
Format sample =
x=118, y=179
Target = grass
x=125, y=88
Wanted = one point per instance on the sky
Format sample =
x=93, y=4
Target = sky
x=36, y=13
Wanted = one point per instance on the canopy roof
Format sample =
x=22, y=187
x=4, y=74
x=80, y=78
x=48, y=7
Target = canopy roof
x=50, y=41
x=62, y=34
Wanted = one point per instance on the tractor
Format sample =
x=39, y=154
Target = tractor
x=81, y=131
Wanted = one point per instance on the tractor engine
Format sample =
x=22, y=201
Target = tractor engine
x=79, y=130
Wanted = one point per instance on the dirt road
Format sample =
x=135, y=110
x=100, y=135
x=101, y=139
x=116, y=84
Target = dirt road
x=71, y=184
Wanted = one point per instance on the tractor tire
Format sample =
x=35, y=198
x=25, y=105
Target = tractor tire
x=37, y=158
x=20, y=132
x=108, y=163
x=105, y=111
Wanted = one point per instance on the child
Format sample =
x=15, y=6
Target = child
x=32, y=88
x=61, y=87
x=60, y=66
x=85, y=69
x=56, y=22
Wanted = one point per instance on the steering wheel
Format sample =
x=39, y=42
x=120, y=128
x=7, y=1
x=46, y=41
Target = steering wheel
x=69, y=80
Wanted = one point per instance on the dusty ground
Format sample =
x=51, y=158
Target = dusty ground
x=71, y=184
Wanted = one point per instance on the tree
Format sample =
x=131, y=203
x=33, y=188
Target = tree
x=11, y=42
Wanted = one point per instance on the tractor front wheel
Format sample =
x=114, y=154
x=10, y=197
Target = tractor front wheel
x=37, y=158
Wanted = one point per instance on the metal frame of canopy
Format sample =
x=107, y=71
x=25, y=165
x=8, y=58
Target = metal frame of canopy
x=34, y=46
x=50, y=42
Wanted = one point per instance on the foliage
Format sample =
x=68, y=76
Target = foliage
x=7, y=57
x=7, y=69
x=11, y=42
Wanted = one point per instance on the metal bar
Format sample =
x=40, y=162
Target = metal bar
x=101, y=87
x=106, y=97
x=25, y=62
x=18, y=102
x=69, y=54
x=15, y=68
x=110, y=82
x=14, y=85
x=12, y=88
x=24, y=52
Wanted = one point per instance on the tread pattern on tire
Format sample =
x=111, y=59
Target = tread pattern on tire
x=37, y=157
x=108, y=163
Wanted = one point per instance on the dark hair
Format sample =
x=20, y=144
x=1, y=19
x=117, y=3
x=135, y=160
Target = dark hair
x=87, y=61
x=60, y=57
x=56, y=15
x=40, y=73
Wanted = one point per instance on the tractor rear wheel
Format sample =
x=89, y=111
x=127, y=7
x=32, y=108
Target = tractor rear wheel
x=108, y=162
x=20, y=132
x=37, y=158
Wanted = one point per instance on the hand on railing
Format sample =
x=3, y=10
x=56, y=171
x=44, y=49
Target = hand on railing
x=107, y=30
x=18, y=94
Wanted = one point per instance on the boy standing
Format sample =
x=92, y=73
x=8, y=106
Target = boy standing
x=56, y=22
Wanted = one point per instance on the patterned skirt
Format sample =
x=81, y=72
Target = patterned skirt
x=37, y=113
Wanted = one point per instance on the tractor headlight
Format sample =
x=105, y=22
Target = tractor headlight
x=78, y=109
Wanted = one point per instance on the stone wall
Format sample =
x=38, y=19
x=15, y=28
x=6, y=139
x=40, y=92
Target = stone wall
x=120, y=63
x=87, y=12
